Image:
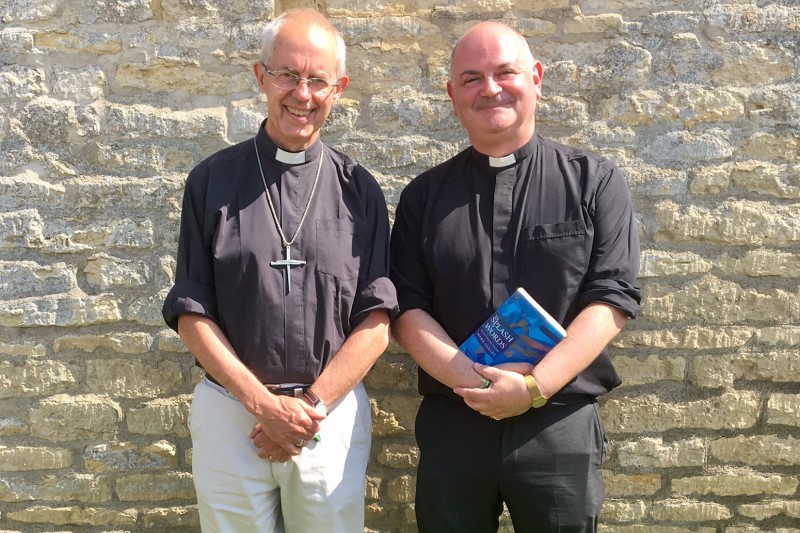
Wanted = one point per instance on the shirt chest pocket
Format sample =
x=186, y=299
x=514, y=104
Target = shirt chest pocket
x=338, y=249
x=553, y=255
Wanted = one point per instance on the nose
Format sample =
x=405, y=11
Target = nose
x=301, y=90
x=490, y=87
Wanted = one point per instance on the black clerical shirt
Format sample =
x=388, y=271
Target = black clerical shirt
x=228, y=239
x=555, y=220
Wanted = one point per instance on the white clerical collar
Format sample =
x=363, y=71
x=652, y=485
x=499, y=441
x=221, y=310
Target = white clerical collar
x=290, y=158
x=499, y=162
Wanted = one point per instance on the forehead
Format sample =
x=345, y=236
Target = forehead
x=487, y=50
x=299, y=45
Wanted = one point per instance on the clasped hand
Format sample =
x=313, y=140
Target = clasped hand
x=506, y=396
x=282, y=432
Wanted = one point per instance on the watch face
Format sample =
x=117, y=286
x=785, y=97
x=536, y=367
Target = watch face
x=538, y=402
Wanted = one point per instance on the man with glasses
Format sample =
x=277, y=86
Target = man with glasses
x=512, y=210
x=282, y=294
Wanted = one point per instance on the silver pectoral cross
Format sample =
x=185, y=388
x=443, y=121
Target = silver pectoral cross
x=288, y=264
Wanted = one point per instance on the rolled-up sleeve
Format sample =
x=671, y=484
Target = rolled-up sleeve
x=193, y=291
x=375, y=290
x=614, y=262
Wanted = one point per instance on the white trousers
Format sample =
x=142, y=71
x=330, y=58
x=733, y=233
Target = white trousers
x=320, y=490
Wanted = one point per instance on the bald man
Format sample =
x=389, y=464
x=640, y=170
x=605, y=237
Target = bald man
x=512, y=210
x=283, y=296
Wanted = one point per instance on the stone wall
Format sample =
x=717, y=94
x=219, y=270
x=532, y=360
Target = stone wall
x=105, y=106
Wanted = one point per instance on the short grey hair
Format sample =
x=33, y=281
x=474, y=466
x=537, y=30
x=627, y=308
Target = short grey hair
x=272, y=29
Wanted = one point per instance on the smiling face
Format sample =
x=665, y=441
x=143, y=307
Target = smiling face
x=495, y=84
x=295, y=116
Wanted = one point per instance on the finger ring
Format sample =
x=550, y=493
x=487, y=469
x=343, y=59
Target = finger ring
x=302, y=443
x=495, y=418
x=486, y=383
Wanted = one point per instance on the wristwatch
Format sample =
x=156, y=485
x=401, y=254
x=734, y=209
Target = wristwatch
x=537, y=398
x=314, y=401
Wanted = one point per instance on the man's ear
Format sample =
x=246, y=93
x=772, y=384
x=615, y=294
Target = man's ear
x=538, y=73
x=260, y=72
x=450, y=94
x=344, y=81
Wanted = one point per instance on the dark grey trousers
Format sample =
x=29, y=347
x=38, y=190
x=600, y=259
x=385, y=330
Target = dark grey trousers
x=544, y=464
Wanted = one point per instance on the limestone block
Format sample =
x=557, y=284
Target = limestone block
x=784, y=409
x=391, y=374
x=23, y=349
x=28, y=189
x=605, y=23
x=171, y=517
x=627, y=485
x=245, y=116
x=383, y=71
x=716, y=301
x=23, y=279
x=22, y=82
x=571, y=112
x=14, y=42
x=689, y=511
x=11, y=425
x=740, y=222
x=655, y=263
x=22, y=11
x=80, y=40
x=649, y=180
x=168, y=341
x=127, y=456
x=145, y=121
x=769, y=105
x=120, y=12
x=405, y=109
x=82, y=85
x=635, y=371
x=123, y=234
x=682, y=148
x=760, y=263
x=692, y=338
x=756, y=450
x=766, y=146
x=147, y=158
x=623, y=511
x=155, y=487
x=779, y=335
x=88, y=516
x=35, y=378
x=59, y=310
x=147, y=309
x=653, y=452
x=411, y=154
x=84, y=488
x=401, y=489
x=85, y=416
x=736, y=483
x=50, y=122
x=166, y=76
x=162, y=416
x=27, y=458
x=748, y=63
x=106, y=193
x=583, y=66
x=128, y=343
x=723, y=370
x=399, y=455
x=760, y=177
x=764, y=510
x=753, y=19
x=105, y=272
x=234, y=9
x=394, y=413
x=133, y=378
x=647, y=414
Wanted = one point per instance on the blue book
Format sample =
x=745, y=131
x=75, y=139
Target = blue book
x=520, y=330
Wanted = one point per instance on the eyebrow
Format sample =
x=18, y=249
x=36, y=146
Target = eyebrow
x=473, y=72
